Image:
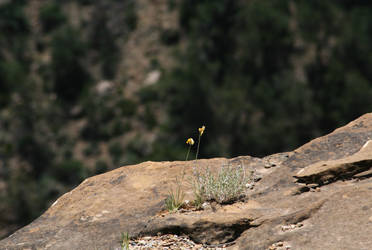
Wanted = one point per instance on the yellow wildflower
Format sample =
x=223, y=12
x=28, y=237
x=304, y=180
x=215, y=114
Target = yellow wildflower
x=190, y=141
x=201, y=130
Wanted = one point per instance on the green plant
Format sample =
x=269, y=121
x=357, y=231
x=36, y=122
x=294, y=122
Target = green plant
x=131, y=18
x=51, y=16
x=100, y=167
x=175, y=199
x=224, y=186
x=125, y=239
x=116, y=152
x=198, y=195
x=70, y=76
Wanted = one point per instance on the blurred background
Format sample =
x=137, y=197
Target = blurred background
x=88, y=86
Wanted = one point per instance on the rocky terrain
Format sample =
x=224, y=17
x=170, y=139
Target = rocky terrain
x=316, y=197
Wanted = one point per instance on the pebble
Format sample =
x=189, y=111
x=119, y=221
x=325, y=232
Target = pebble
x=291, y=227
x=279, y=246
x=168, y=241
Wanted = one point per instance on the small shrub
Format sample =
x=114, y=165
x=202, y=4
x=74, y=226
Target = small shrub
x=70, y=171
x=100, y=167
x=131, y=18
x=116, y=152
x=51, y=16
x=127, y=107
x=227, y=185
x=149, y=118
x=92, y=149
x=170, y=37
x=70, y=76
x=118, y=127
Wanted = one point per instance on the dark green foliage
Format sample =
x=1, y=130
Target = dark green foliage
x=130, y=14
x=13, y=38
x=51, y=16
x=70, y=77
x=13, y=22
x=12, y=74
x=106, y=27
x=102, y=40
x=238, y=76
x=35, y=153
x=149, y=118
x=119, y=127
x=148, y=94
x=127, y=107
x=92, y=150
x=116, y=152
x=171, y=4
x=13, y=43
x=170, y=37
x=95, y=131
x=24, y=199
x=100, y=167
x=104, y=117
x=86, y=2
x=70, y=171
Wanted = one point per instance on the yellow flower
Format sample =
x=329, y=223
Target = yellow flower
x=190, y=141
x=201, y=130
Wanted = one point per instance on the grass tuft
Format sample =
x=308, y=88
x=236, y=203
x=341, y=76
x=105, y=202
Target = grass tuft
x=125, y=239
x=174, y=201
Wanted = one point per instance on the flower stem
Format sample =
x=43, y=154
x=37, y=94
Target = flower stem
x=197, y=150
x=188, y=152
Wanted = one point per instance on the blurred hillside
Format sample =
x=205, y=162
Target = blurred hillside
x=88, y=86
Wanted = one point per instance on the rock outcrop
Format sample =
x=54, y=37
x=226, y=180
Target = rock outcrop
x=317, y=197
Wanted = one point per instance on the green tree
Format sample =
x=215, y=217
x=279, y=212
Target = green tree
x=69, y=75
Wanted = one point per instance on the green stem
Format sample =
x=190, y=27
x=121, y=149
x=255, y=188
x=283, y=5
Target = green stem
x=188, y=152
x=197, y=150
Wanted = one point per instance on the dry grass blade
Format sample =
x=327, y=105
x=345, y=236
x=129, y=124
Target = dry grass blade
x=174, y=200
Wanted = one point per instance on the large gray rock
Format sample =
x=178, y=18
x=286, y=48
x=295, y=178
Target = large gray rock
x=317, y=197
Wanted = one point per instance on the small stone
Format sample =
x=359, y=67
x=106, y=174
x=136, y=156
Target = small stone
x=257, y=178
x=267, y=166
x=206, y=206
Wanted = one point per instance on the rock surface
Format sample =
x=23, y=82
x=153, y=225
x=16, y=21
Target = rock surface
x=317, y=197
